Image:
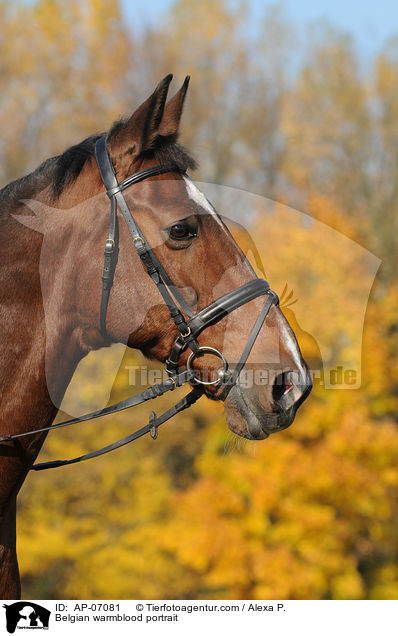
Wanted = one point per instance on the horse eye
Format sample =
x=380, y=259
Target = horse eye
x=181, y=232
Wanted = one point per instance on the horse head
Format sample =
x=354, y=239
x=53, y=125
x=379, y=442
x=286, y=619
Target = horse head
x=196, y=255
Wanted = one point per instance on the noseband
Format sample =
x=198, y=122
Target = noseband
x=188, y=329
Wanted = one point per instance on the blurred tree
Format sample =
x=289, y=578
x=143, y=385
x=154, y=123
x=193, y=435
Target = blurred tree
x=62, y=71
x=327, y=124
x=383, y=204
x=340, y=129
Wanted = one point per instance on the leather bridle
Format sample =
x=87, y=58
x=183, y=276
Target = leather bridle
x=188, y=328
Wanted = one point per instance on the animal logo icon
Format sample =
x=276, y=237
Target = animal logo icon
x=26, y=615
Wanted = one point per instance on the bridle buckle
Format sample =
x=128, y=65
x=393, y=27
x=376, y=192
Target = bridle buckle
x=109, y=246
x=138, y=242
x=153, y=431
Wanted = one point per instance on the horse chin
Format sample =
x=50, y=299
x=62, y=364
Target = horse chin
x=252, y=423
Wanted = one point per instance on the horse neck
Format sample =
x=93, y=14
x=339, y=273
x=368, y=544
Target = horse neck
x=38, y=355
x=24, y=399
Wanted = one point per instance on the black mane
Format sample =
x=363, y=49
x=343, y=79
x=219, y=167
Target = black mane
x=59, y=172
x=69, y=165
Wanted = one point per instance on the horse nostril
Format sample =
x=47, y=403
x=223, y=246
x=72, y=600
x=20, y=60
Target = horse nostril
x=291, y=388
x=282, y=385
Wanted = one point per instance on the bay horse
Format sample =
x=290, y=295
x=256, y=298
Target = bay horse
x=182, y=293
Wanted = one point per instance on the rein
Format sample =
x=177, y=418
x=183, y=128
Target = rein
x=188, y=329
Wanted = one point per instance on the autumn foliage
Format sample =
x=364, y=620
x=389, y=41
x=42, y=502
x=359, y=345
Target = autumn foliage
x=313, y=511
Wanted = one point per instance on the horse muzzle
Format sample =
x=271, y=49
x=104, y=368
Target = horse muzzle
x=255, y=414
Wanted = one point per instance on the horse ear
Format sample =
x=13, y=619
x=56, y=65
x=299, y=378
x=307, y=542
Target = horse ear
x=138, y=133
x=172, y=112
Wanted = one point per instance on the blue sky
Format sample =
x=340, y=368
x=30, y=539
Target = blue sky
x=371, y=22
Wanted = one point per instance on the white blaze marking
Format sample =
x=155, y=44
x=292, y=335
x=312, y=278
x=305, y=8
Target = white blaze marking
x=199, y=198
